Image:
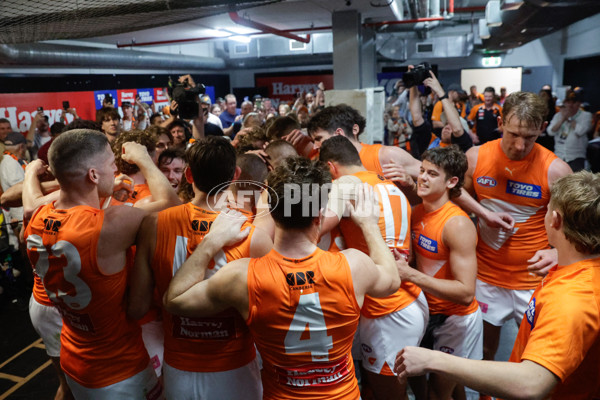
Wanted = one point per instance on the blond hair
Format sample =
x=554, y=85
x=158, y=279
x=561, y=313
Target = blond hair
x=577, y=198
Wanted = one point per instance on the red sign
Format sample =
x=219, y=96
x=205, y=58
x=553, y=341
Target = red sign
x=20, y=108
x=286, y=87
x=127, y=95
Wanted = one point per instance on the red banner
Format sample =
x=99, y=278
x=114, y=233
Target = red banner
x=20, y=108
x=286, y=88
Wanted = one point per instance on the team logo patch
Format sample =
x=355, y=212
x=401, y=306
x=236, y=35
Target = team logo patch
x=366, y=348
x=428, y=244
x=483, y=306
x=486, y=181
x=530, y=313
x=446, y=349
x=523, y=189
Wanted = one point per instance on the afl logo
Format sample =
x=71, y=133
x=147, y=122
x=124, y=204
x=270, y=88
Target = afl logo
x=486, y=181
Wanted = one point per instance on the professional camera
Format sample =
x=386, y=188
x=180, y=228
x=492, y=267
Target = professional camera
x=186, y=97
x=417, y=75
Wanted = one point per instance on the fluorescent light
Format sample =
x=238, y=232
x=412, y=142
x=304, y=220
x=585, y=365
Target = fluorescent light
x=240, y=30
x=241, y=39
x=216, y=33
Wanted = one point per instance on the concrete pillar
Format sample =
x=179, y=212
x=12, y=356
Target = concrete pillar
x=346, y=28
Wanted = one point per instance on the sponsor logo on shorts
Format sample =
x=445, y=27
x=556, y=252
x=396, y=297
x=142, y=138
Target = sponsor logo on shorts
x=523, y=189
x=366, y=348
x=428, y=244
x=486, y=181
x=530, y=313
x=155, y=362
x=446, y=349
x=372, y=360
x=483, y=306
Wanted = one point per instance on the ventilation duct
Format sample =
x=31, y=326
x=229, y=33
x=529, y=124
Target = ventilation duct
x=46, y=54
x=396, y=47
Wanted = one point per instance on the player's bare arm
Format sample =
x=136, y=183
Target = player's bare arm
x=142, y=278
x=375, y=275
x=524, y=380
x=470, y=205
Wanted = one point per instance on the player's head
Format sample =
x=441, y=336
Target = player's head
x=523, y=120
x=253, y=173
x=145, y=138
x=300, y=188
x=338, y=151
x=211, y=164
x=452, y=162
x=278, y=150
x=81, y=156
x=336, y=120
x=575, y=206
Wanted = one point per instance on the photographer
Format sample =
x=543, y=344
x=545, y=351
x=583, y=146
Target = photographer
x=453, y=131
x=186, y=106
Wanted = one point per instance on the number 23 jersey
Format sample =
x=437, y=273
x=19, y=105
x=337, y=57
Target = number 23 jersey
x=303, y=315
x=99, y=344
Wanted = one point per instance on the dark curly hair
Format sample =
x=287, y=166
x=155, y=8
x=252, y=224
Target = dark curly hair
x=142, y=137
x=300, y=190
x=333, y=117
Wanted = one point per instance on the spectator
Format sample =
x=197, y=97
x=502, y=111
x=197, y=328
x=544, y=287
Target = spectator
x=56, y=129
x=12, y=171
x=165, y=139
x=180, y=132
x=206, y=107
x=127, y=122
x=229, y=114
x=39, y=133
x=108, y=118
x=570, y=127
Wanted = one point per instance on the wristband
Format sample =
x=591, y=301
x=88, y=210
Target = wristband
x=445, y=96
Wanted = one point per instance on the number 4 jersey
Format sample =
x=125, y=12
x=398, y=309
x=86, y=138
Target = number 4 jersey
x=303, y=315
x=100, y=346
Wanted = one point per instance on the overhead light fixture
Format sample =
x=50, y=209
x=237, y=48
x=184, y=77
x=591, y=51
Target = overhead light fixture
x=240, y=39
x=484, y=30
x=493, y=14
x=216, y=33
x=240, y=30
x=490, y=62
x=512, y=5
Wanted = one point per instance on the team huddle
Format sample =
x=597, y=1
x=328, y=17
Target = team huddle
x=352, y=257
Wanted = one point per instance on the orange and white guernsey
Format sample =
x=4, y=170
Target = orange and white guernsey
x=139, y=192
x=521, y=189
x=560, y=329
x=303, y=315
x=433, y=255
x=369, y=157
x=218, y=343
x=394, y=224
x=100, y=346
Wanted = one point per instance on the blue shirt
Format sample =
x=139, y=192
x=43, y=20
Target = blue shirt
x=227, y=119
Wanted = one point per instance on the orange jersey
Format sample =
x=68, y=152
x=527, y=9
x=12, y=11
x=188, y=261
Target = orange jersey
x=561, y=327
x=433, y=255
x=303, y=315
x=394, y=223
x=100, y=346
x=521, y=189
x=139, y=192
x=218, y=343
x=438, y=108
x=369, y=157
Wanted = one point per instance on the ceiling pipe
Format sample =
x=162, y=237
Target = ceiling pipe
x=161, y=42
x=266, y=28
x=42, y=54
x=309, y=29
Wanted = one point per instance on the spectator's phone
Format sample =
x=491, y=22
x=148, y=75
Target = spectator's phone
x=66, y=105
x=258, y=104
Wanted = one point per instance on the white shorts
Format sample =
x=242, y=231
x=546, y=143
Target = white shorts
x=154, y=340
x=382, y=338
x=240, y=383
x=47, y=322
x=499, y=305
x=142, y=386
x=460, y=335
